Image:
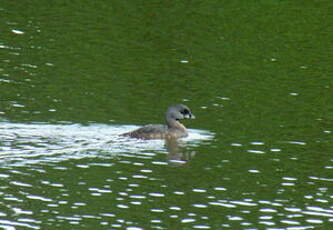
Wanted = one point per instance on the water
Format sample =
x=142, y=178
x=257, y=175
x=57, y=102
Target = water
x=38, y=143
x=73, y=76
x=75, y=175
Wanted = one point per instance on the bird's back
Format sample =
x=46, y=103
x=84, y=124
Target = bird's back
x=149, y=132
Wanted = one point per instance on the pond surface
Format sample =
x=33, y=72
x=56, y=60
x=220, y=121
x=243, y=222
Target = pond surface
x=257, y=76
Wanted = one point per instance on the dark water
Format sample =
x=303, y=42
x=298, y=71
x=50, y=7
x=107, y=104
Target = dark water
x=257, y=75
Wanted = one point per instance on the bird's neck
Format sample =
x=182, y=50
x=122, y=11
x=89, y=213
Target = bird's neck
x=175, y=124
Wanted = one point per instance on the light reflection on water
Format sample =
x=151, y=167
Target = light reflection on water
x=84, y=176
x=35, y=143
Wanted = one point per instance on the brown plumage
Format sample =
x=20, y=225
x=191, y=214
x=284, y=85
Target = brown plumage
x=172, y=129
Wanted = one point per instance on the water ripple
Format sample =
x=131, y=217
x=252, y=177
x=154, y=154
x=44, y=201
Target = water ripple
x=38, y=143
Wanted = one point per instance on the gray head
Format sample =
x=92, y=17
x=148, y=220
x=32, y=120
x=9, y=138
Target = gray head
x=178, y=112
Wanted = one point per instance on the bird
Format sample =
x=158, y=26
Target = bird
x=172, y=129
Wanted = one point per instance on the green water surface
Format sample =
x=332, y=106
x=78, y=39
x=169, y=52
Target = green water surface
x=257, y=75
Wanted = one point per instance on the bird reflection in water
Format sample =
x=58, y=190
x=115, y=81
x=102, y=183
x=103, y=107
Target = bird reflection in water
x=178, y=155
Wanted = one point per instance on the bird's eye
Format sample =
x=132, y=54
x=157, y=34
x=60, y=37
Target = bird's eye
x=185, y=111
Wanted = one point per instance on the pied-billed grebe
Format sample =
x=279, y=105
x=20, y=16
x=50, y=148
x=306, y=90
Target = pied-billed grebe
x=172, y=129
